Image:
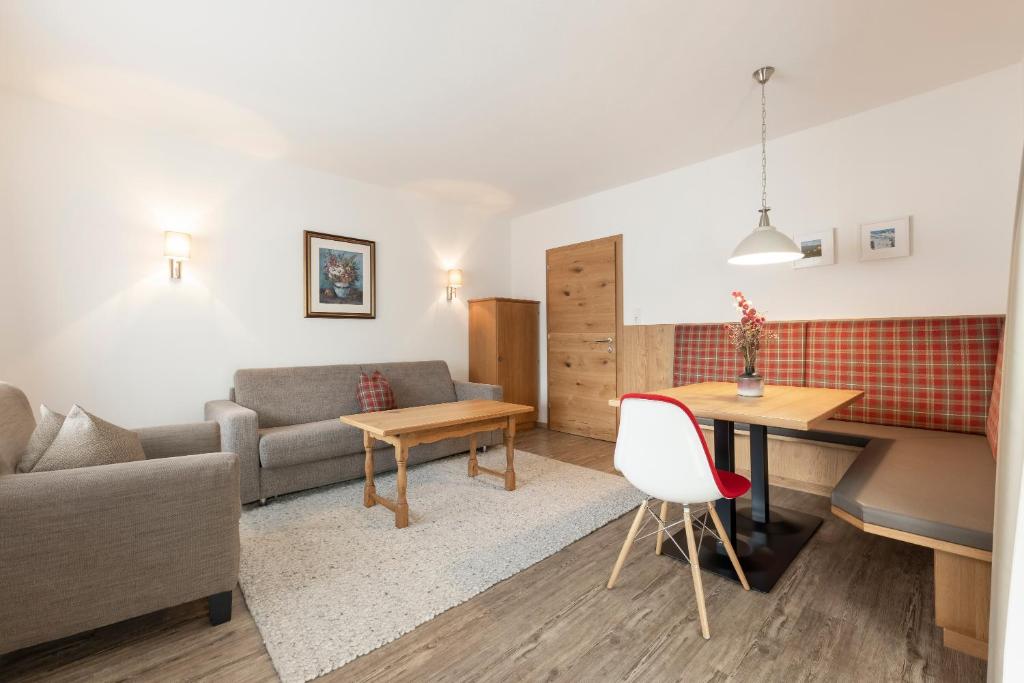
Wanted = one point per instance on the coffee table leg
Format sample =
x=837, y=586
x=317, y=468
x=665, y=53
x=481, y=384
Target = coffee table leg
x=369, y=490
x=510, y=454
x=473, y=471
x=401, y=504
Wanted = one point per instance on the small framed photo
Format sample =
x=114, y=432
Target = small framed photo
x=341, y=275
x=885, y=239
x=819, y=249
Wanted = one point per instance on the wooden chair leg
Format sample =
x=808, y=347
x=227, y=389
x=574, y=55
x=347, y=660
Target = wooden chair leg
x=729, y=550
x=698, y=587
x=661, y=530
x=630, y=537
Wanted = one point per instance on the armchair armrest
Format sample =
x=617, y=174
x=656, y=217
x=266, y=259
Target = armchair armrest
x=185, y=439
x=238, y=434
x=465, y=391
x=87, y=547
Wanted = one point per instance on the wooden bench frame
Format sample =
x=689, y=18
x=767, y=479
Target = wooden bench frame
x=963, y=581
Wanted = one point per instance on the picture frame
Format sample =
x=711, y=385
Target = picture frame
x=819, y=248
x=340, y=276
x=885, y=239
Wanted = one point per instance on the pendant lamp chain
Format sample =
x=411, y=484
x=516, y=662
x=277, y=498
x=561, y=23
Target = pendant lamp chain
x=764, y=150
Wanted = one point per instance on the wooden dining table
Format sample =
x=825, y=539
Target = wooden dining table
x=767, y=539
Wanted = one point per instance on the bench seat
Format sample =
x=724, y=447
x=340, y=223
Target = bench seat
x=937, y=490
x=939, y=486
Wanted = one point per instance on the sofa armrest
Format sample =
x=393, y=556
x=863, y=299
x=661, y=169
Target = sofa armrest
x=86, y=547
x=465, y=391
x=238, y=434
x=169, y=441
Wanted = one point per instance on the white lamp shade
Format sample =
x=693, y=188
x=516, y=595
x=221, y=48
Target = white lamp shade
x=455, y=278
x=765, y=245
x=177, y=245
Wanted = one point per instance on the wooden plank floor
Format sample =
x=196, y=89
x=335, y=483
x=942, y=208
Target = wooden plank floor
x=853, y=607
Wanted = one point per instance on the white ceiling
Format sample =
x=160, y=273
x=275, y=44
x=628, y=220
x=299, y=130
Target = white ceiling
x=516, y=104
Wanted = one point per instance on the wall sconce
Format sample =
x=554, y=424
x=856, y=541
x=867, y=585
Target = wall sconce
x=177, y=248
x=454, y=282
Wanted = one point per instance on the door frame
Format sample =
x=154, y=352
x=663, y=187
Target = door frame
x=619, y=377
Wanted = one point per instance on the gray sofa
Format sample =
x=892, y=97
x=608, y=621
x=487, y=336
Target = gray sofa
x=86, y=547
x=283, y=422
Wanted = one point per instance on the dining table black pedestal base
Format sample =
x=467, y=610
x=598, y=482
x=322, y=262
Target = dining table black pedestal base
x=765, y=549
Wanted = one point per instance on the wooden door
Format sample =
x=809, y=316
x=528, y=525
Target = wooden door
x=584, y=316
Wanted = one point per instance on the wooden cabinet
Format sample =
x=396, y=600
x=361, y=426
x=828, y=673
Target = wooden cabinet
x=504, y=349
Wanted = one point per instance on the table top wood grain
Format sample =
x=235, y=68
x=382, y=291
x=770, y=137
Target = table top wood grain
x=781, y=406
x=422, y=418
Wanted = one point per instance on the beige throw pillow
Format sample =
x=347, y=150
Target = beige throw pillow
x=84, y=440
x=44, y=434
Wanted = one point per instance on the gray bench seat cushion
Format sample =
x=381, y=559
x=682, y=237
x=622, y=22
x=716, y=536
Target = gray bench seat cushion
x=297, y=444
x=941, y=487
x=873, y=431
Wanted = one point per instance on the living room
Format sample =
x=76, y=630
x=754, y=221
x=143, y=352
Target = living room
x=345, y=341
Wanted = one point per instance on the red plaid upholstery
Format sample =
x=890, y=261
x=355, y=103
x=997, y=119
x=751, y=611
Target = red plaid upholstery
x=931, y=373
x=703, y=353
x=375, y=393
x=992, y=423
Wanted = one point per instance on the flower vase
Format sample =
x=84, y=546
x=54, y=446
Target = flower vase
x=340, y=290
x=750, y=383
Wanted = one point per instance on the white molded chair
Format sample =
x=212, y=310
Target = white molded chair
x=661, y=450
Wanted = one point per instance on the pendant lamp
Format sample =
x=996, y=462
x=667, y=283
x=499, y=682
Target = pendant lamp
x=765, y=244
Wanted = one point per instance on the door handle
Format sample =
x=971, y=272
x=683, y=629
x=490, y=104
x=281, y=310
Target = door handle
x=607, y=340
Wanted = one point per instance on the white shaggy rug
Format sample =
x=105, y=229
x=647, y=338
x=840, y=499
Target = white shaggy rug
x=328, y=580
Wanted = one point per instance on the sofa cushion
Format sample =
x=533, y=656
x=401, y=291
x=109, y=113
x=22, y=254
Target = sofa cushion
x=85, y=440
x=302, y=443
x=289, y=396
x=375, y=393
x=16, y=425
x=417, y=384
x=941, y=488
x=43, y=435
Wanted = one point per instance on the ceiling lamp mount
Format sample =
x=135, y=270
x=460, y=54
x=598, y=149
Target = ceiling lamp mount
x=765, y=244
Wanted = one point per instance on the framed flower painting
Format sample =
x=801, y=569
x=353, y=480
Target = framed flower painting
x=340, y=276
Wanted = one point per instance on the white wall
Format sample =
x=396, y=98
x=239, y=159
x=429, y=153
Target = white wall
x=90, y=316
x=948, y=157
x=1006, y=620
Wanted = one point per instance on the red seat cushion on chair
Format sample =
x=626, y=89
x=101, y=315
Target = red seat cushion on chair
x=732, y=485
x=375, y=393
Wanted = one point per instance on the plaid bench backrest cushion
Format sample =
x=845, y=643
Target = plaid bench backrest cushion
x=703, y=353
x=992, y=423
x=930, y=373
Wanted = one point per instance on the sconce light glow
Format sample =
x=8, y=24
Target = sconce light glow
x=177, y=248
x=454, y=282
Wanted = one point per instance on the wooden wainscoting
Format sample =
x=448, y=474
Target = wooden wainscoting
x=646, y=355
x=810, y=466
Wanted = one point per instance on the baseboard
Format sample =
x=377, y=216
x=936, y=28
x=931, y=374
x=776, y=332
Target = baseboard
x=966, y=644
x=794, y=484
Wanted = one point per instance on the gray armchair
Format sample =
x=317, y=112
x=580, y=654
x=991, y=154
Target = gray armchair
x=87, y=547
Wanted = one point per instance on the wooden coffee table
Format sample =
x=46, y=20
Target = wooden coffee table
x=407, y=427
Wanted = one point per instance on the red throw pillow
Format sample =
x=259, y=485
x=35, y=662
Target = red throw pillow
x=375, y=393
